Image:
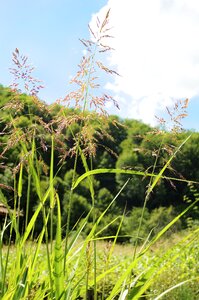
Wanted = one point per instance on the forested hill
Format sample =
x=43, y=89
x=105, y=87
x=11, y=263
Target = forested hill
x=106, y=143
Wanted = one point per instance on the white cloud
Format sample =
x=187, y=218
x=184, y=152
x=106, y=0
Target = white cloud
x=157, y=54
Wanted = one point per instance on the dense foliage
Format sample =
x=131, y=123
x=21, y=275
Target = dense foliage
x=126, y=144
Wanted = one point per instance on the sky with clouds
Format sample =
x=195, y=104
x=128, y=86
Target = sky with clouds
x=156, y=49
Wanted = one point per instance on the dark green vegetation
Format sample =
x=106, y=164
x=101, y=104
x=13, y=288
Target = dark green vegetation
x=125, y=144
x=49, y=201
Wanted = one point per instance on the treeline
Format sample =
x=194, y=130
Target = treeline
x=105, y=142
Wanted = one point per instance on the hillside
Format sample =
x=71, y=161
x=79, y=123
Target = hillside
x=106, y=143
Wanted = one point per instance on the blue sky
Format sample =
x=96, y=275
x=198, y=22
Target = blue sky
x=48, y=33
x=157, y=49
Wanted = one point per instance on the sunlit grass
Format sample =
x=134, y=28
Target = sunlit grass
x=63, y=263
x=183, y=267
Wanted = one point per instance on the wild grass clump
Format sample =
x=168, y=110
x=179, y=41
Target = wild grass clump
x=48, y=256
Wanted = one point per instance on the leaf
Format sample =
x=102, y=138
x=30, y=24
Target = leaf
x=58, y=260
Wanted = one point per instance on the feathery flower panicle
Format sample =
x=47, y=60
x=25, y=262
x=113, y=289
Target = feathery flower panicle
x=89, y=107
x=23, y=79
x=176, y=114
x=23, y=84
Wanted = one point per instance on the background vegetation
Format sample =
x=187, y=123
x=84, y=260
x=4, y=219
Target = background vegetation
x=128, y=145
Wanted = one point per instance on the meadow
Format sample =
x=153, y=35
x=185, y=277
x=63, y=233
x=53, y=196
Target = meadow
x=169, y=270
x=65, y=235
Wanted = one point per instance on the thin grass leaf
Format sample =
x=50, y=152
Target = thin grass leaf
x=129, y=172
x=159, y=176
x=127, y=272
x=90, y=178
x=20, y=182
x=52, y=201
x=31, y=268
x=78, y=232
x=58, y=259
x=52, y=196
x=28, y=199
x=161, y=233
x=34, y=217
x=174, y=287
x=155, y=270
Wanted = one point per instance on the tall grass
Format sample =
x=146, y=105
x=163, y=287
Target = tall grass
x=69, y=267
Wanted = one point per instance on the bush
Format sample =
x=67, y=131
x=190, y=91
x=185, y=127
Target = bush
x=152, y=222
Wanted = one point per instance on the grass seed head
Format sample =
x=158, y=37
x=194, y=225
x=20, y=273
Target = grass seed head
x=85, y=98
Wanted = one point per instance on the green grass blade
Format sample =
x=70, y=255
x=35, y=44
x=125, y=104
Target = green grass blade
x=127, y=272
x=174, y=287
x=162, y=264
x=20, y=183
x=52, y=196
x=32, y=266
x=52, y=174
x=159, y=176
x=129, y=172
x=78, y=232
x=90, y=177
x=58, y=260
x=34, y=217
x=161, y=233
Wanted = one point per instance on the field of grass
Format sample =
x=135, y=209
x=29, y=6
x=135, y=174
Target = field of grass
x=169, y=267
x=63, y=262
